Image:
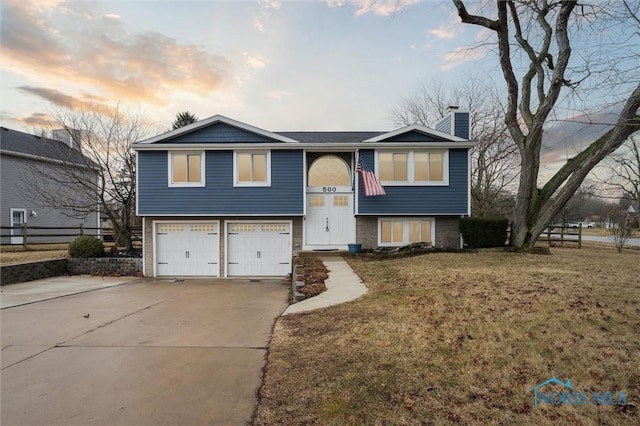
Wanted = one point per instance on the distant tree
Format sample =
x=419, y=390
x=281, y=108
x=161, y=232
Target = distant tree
x=622, y=173
x=182, y=119
x=104, y=138
x=494, y=157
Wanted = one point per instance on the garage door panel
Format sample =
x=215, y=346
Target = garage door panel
x=187, y=249
x=259, y=249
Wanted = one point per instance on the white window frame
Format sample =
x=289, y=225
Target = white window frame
x=237, y=183
x=16, y=234
x=203, y=173
x=411, y=169
x=405, y=229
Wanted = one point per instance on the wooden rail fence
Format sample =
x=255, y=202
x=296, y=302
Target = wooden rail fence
x=27, y=233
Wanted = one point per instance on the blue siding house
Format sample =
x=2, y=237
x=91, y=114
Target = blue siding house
x=224, y=198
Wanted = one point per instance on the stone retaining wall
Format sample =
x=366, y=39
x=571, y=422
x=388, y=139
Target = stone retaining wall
x=104, y=266
x=22, y=272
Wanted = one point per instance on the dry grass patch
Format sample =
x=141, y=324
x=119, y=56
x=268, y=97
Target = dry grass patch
x=462, y=338
x=35, y=252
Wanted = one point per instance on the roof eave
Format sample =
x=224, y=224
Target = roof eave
x=300, y=145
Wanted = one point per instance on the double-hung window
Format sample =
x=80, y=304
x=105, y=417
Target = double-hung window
x=186, y=169
x=252, y=168
x=424, y=167
x=403, y=231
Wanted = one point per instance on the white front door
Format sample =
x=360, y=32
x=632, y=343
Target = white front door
x=329, y=220
x=257, y=249
x=187, y=249
x=18, y=218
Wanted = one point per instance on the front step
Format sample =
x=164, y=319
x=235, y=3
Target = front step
x=323, y=253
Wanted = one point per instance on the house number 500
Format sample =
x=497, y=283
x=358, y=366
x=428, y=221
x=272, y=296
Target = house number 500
x=328, y=189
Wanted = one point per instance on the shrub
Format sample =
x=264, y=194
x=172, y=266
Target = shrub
x=86, y=246
x=481, y=232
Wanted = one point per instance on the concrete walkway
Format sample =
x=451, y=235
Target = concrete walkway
x=343, y=285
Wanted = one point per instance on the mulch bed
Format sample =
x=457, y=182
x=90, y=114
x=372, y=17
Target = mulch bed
x=315, y=273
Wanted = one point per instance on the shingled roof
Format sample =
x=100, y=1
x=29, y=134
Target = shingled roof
x=13, y=141
x=330, y=137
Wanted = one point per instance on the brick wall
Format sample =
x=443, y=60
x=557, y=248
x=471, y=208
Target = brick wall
x=297, y=235
x=367, y=231
x=447, y=232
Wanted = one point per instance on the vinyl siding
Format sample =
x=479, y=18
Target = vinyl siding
x=220, y=133
x=461, y=125
x=15, y=194
x=444, y=125
x=219, y=196
x=451, y=199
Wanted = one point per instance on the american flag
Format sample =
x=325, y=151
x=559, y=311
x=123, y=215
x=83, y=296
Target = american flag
x=371, y=183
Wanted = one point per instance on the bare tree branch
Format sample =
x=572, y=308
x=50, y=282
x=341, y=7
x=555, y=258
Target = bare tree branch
x=106, y=176
x=494, y=156
x=536, y=207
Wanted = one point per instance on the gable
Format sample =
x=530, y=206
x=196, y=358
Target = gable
x=220, y=133
x=416, y=133
x=415, y=136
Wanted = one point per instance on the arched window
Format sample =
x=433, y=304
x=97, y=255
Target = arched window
x=329, y=170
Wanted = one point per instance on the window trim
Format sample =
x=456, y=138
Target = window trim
x=267, y=182
x=203, y=173
x=405, y=229
x=411, y=167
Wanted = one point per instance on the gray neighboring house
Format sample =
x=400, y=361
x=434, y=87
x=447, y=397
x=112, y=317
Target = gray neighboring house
x=19, y=154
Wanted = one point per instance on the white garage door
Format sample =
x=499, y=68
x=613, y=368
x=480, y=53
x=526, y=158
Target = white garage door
x=187, y=249
x=258, y=249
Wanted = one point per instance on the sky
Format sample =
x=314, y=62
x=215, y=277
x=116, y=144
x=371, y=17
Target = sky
x=279, y=65
x=276, y=64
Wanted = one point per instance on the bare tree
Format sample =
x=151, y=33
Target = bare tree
x=538, y=32
x=619, y=231
x=622, y=172
x=99, y=167
x=494, y=156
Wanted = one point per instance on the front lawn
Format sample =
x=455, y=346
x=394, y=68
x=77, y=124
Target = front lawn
x=462, y=338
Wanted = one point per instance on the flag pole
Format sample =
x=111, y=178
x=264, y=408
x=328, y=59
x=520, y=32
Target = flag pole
x=356, y=180
x=355, y=168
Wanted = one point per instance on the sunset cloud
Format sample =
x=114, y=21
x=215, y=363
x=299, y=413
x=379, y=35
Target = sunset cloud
x=57, y=98
x=377, y=7
x=462, y=55
x=100, y=53
x=278, y=94
x=443, y=31
x=255, y=62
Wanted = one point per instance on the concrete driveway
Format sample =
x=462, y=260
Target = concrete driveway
x=147, y=352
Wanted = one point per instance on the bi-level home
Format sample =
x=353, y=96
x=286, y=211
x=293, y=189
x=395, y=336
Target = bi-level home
x=224, y=198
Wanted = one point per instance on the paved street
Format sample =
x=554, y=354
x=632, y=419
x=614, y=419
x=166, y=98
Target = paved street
x=148, y=352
